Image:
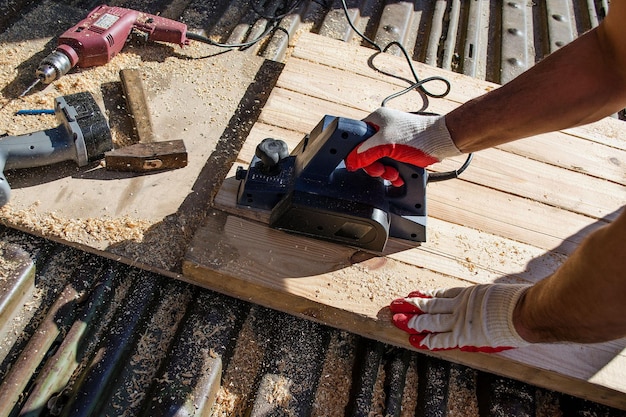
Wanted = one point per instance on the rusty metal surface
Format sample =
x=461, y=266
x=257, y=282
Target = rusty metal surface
x=85, y=335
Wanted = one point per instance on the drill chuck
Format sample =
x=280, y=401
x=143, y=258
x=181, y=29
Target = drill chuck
x=53, y=67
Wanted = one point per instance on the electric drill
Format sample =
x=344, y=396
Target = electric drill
x=100, y=36
x=82, y=136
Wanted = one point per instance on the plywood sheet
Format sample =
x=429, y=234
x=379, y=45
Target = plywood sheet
x=513, y=216
x=192, y=94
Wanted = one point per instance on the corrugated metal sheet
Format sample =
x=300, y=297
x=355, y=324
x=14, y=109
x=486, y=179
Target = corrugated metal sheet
x=90, y=336
x=86, y=335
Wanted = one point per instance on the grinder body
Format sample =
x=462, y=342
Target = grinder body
x=83, y=136
x=311, y=192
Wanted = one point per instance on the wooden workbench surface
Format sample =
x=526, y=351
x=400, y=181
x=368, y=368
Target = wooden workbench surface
x=193, y=94
x=513, y=216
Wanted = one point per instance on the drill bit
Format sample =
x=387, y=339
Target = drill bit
x=37, y=81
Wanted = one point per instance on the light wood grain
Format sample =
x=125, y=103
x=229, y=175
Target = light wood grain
x=513, y=216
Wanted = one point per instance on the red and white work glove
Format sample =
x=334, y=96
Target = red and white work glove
x=411, y=138
x=473, y=319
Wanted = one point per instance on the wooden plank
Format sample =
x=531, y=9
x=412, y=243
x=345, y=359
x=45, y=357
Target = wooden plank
x=496, y=225
x=455, y=250
x=327, y=283
x=558, y=148
x=342, y=56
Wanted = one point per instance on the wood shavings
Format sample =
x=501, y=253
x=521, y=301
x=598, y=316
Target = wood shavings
x=9, y=262
x=332, y=394
x=84, y=231
x=279, y=392
x=409, y=395
x=152, y=348
x=378, y=395
x=232, y=397
x=462, y=401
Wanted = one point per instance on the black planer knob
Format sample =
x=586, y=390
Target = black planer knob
x=271, y=152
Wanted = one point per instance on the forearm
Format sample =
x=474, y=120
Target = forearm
x=584, y=300
x=581, y=83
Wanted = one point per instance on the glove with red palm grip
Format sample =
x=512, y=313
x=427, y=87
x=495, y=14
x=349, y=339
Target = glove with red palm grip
x=419, y=140
x=473, y=319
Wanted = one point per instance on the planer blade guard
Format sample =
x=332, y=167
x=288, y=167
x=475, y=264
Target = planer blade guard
x=309, y=191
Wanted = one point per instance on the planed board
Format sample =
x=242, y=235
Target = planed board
x=513, y=216
x=331, y=284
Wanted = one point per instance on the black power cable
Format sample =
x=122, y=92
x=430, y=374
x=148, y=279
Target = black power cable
x=288, y=7
x=273, y=20
x=418, y=84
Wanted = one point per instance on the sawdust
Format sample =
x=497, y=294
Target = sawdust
x=84, y=231
x=234, y=393
x=279, y=391
x=378, y=396
x=409, y=395
x=333, y=390
x=462, y=401
x=10, y=260
x=151, y=349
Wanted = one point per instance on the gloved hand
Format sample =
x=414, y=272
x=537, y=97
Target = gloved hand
x=406, y=137
x=473, y=319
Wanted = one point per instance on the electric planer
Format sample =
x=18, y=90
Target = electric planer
x=309, y=191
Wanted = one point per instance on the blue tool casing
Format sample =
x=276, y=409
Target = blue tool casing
x=311, y=192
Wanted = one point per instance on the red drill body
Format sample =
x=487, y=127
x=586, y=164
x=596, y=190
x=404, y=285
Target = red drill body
x=101, y=35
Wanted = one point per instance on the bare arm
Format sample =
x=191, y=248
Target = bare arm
x=585, y=299
x=578, y=84
x=560, y=307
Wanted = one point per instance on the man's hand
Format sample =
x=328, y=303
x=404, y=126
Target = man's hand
x=472, y=319
x=416, y=139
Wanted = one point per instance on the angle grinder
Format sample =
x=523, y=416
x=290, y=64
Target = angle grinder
x=83, y=136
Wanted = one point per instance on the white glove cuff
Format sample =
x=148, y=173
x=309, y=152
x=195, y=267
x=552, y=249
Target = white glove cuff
x=436, y=141
x=498, y=314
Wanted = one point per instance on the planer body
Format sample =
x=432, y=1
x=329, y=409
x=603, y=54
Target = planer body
x=310, y=192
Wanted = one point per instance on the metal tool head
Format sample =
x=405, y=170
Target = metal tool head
x=82, y=117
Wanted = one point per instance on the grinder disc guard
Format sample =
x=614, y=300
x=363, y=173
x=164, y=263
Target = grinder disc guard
x=311, y=192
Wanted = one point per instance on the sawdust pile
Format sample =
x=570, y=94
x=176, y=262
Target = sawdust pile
x=151, y=350
x=278, y=390
x=332, y=394
x=409, y=395
x=85, y=231
x=10, y=260
x=462, y=401
x=233, y=396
